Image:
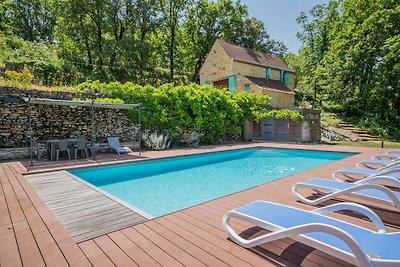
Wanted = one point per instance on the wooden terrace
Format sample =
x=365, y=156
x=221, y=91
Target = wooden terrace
x=31, y=235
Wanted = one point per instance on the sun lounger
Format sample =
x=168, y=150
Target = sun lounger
x=331, y=189
x=349, y=242
x=113, y=142
x=360, y=173
x=393, y=151
x=386, y=156
x=377, y=163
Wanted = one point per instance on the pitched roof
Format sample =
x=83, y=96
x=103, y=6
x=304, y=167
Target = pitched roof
x=253, y=57
x=269, y=84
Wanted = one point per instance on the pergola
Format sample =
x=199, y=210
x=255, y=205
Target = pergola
x=92, y=104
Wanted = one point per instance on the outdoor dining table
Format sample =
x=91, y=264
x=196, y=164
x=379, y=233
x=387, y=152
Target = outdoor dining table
x=52, y=146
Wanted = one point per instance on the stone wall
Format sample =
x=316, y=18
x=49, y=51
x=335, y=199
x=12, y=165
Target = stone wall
x=217, y=65
x=57, y=122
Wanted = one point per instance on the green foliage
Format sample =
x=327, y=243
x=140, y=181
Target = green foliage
x=350, y=61
x=143, y=41
x=330, y=119
x=181, y=110
x=283, y=114
x=23, y=77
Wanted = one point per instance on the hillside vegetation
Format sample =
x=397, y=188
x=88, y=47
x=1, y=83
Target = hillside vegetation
x=349, y=63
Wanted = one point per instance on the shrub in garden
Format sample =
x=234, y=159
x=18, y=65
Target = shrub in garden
x=177, y=110
x=156, y=141
x=23, y=76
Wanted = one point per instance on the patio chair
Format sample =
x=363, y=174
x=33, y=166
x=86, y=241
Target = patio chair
x=63, y=146
x=81, y=146
x=346, y=241
x=330, y=189
x=113, y=142
x=39, y=148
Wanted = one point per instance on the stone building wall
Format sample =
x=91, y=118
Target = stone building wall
x=217, y=65
x=278, y=99
x=58, y=122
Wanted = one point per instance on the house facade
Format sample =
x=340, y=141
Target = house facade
x=239, y=69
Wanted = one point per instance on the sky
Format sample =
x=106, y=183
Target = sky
x=279, y=17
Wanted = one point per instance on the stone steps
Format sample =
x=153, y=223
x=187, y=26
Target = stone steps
x=362, y=134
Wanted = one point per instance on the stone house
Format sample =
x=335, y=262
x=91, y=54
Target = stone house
x=239, y=69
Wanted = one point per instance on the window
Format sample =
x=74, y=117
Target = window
x=287, y=79
x=247, y=87
x=281, y=76
x=268, y=73
x=232, y=84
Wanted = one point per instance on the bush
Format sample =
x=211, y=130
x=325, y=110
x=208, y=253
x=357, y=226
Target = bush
x=189, y=109
x=156, y=141
x=24, y=76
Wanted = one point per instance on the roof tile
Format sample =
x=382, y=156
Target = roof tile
x=269, y=83
x=253, y=57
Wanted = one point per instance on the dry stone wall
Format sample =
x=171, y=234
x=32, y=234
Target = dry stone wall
x=57, y=122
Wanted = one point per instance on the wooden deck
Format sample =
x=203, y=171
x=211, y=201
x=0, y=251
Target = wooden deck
x=84, y=212
x=31, y=235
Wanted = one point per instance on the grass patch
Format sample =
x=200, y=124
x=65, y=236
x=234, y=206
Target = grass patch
x=365, y=144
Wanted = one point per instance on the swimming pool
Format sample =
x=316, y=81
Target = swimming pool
x=162, y=186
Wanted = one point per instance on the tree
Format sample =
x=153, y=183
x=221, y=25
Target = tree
x=31, y=20
x=172, y=11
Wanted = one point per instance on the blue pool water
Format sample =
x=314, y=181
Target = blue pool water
x=159, y=187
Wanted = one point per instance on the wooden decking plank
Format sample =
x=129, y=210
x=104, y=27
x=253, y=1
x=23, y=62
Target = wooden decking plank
x=71, y=219
x=70, y=250
x=95, y=255
x=116, y=255
x=223, y=253
x=5, y=218
x=132, y=250
x=152, y=250
x=210, y=238
x=180, y=255
x=97, y=223
x=28, y=248
x=82, y=218
x=98, y=230
x=47, y=245
x=9, y=251
x=194, y=250
x=14, y=208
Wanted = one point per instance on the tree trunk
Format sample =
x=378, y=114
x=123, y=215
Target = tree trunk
x=87, y=45
x=171, y=53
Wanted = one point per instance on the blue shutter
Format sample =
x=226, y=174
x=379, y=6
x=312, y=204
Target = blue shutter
x=287, y=79
x=268, y=72
x=247, y=87
x=281, y=77
x=232, y=84
x=207, y=82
